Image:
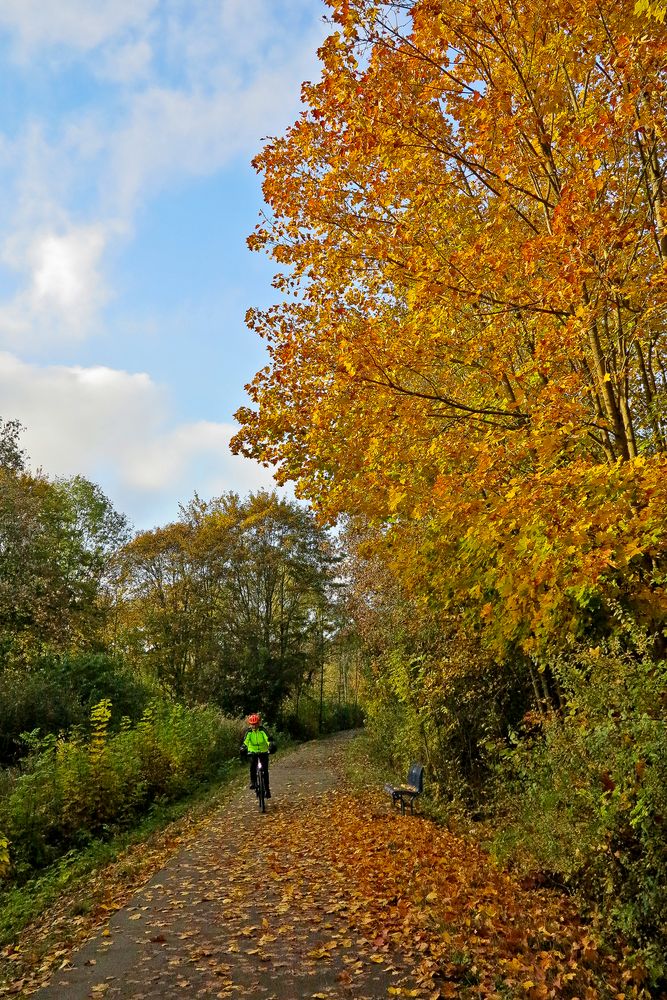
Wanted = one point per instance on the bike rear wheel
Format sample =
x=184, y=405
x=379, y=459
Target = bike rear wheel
x=261, y=789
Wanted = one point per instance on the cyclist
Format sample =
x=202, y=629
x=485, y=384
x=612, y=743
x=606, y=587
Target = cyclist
x=257, y=745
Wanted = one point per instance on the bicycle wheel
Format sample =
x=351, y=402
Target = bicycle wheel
x=261, y=788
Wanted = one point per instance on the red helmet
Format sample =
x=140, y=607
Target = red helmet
x=254, y=720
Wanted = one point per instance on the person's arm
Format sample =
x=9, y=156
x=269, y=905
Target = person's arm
x=270, y=741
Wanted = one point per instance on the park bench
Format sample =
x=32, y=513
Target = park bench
x=407, y=793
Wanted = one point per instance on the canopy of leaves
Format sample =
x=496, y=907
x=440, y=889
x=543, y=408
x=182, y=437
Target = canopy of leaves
x=469, y=217
x=57, y=540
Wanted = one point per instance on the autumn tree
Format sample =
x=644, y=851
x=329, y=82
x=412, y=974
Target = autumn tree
x=469, y=358
x=469, y=218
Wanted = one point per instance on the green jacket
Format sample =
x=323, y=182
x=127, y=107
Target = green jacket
x=256, y=741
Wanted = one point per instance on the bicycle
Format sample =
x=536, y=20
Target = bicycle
x=261, y=780
x=260, y=786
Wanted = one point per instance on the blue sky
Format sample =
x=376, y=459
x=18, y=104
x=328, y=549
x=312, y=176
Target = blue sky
x=126, y=192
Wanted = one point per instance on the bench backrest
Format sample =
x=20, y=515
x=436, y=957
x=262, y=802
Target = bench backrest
x=416, y=776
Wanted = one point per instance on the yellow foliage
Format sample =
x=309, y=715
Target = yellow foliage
x=100, y=716
x=479, y=250
x=4, y=855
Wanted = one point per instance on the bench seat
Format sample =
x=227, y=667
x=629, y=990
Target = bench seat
x=406, y=794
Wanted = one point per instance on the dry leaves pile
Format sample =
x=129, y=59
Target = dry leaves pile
x=433, y=909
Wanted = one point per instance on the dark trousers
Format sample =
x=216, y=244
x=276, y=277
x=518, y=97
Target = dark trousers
x=264, y=757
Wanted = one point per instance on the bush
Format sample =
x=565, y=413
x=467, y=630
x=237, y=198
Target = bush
x=58, y=693
x=343, y=716
x=584, y=796
x=445, y=711
x=77, y=788
x=4, y=855
x=92, y=677
x=29, y=701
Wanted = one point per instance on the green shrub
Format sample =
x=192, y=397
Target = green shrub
x=583, y=796
x=342, y=716
x=76, y=788
x=57, y=693
x=4, y=854
x=446, y=712
x=32, y=701
x=394, y=730
x=91, y=677
x=302, y=723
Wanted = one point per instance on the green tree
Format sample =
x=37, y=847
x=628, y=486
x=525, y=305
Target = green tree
x=280, y=590
x=167, y=596
x=57, y=539
x=223, y=604
x=12, y=456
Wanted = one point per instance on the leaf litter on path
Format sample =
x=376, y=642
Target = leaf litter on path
x=333, y=895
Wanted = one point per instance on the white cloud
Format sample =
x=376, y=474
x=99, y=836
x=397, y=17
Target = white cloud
x=126, y=62
x=62, y=288
x=185, y=89
x=78, y=24
x=233, y=74
x=64, y=267
x=169, y=134
x=116, y=428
